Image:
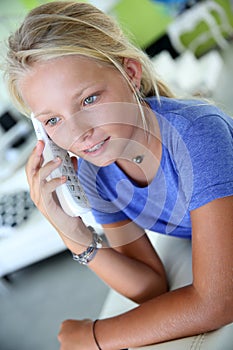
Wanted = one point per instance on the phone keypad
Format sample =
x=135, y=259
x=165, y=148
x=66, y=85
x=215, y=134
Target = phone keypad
x=73, y=182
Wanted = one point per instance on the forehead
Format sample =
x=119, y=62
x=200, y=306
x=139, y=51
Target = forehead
x=57, y=80
x=69, y=63
x=71, y=69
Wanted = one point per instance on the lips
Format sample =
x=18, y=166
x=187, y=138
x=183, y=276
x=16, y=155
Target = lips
x=96, y=147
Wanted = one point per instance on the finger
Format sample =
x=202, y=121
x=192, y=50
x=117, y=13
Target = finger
x=48, y=168
x=45, y=198
x=34, y=163
x=47, y=183
x=51, y=185
x=35, y=160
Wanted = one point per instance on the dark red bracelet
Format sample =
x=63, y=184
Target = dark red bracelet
x=94, y=335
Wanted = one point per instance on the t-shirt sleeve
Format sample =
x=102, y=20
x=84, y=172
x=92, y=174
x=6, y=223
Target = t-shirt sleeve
x=209, y=143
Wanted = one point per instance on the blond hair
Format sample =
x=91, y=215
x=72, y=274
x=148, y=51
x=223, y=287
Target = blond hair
x=64, y=28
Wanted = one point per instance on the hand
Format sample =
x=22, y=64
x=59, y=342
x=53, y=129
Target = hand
x=71, y=229
x=41, y=190
x=76, y=335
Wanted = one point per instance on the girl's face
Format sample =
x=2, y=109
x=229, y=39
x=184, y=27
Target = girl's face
x=85, y=106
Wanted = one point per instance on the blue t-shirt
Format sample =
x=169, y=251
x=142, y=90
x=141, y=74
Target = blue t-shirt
x=195, y=168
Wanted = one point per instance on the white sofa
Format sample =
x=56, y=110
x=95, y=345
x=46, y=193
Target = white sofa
x=176, y=256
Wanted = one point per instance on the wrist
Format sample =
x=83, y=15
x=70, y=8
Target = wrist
x=77, y=237
x=88, y=255
x=94, y=334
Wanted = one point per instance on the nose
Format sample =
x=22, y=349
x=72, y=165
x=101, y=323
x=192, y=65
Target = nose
x=78, y=131
x=82, y=135
x=72, y=131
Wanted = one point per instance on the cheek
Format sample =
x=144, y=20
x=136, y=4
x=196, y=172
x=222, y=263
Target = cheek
x=71, y=134
x=111, y=113
x=65, y=136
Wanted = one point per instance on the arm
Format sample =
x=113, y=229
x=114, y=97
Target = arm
x=142, y=279
x=203, y=306
x=131, y=266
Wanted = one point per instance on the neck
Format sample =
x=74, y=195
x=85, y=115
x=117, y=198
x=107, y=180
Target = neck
x=140, y=161
x=141, y=157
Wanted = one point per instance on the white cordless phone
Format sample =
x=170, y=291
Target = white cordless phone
x=70, y=195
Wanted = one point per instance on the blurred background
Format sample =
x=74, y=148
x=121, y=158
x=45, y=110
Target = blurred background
x=190, y=43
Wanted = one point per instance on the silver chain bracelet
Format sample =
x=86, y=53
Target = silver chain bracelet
x=89, y=254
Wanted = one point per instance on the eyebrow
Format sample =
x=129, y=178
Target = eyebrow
x=73, y=98
x=42, y=113
x=80, y=92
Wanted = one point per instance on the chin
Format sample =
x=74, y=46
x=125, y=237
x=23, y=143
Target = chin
x=100, y=162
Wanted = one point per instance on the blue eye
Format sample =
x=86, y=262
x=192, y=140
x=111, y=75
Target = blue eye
x=52, y=121
x=89, y=100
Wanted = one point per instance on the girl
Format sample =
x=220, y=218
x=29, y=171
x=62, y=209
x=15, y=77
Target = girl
x=146, y=161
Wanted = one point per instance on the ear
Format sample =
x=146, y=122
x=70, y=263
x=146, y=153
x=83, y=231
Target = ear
x=133, y=69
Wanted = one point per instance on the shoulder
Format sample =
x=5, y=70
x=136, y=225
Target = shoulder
x=199, y=138
x=185, y=114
